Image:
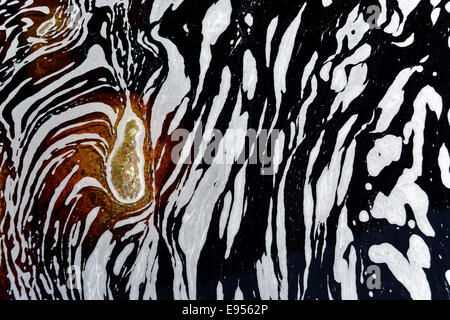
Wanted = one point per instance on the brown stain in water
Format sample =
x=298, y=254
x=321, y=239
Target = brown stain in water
x=90, y=162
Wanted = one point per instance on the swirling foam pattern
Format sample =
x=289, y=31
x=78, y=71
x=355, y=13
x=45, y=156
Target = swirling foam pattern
x=91, y=92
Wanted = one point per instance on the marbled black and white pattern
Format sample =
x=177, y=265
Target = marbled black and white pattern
x=360, y=162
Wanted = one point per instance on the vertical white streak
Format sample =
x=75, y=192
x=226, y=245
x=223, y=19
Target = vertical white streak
x=308, y=210
x=174, y=88
x=216, y=21
x=270, y=33
x=308, y=70
x=237, y=210
x=94, y=275
x=444, y=165
x=250, y=74
x=391, y=102
x=284, y=57
x=265, y=270
x=345, y=272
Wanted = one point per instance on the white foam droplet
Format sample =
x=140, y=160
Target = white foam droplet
x=363, y=216
x=248, y=19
